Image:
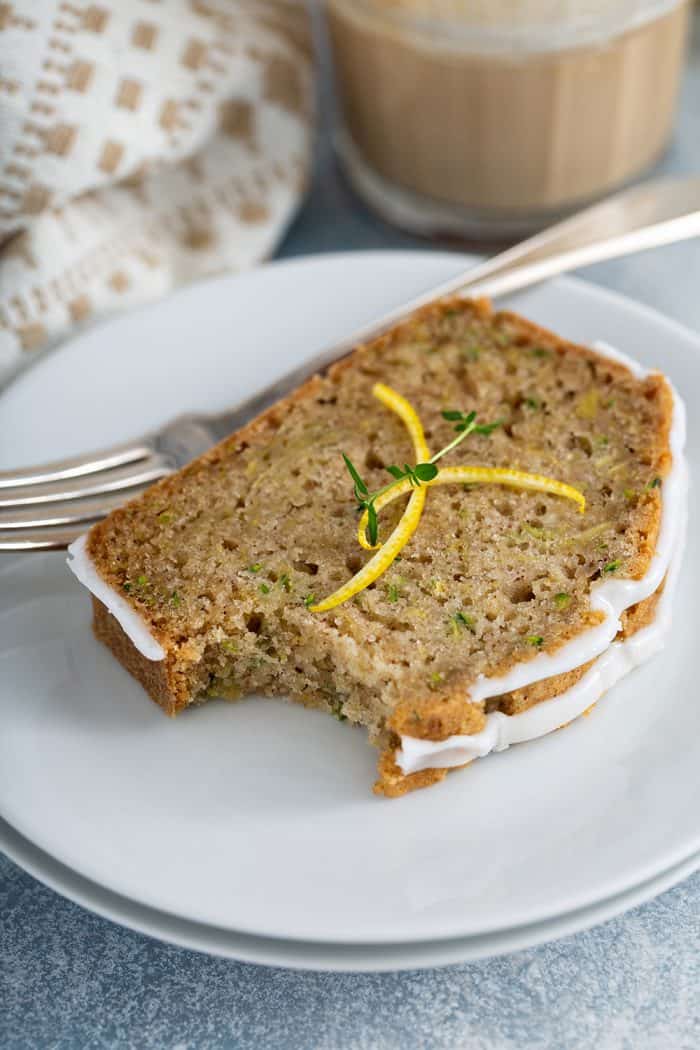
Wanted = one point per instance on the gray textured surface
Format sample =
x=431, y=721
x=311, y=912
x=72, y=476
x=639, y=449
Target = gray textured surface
x=69, y=979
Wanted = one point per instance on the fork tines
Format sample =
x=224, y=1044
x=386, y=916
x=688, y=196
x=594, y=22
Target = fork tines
x=48, y=507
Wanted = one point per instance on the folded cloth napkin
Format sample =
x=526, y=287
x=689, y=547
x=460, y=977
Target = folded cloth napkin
x=143, y=144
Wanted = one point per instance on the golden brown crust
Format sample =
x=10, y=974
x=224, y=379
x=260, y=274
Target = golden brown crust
x=392, y=783
x=152, y=674
x=437, y=717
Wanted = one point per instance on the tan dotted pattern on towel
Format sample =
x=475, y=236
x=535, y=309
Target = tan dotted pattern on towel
x=145, y=143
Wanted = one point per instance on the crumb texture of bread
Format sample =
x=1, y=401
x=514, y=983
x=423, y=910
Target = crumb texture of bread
x=222, y=559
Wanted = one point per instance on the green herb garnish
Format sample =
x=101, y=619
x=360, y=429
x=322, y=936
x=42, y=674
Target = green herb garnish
x=466, y=424
x=562, y=600
x=336, y=707
x=420, y=474
x=654, y=484
x=535, y=639
x=536, y=531
x=309, y=600
x=285, y=582
x=532, y=403
x=463, y=621
x=140, y=587
x=361, y=490
x=372, y=523
x=264, y=588
x=175, y=599
x=612, y=566
x=255, y=568
x=392, y=592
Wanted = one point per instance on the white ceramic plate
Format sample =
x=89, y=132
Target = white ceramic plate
x=312, y=955
x=258, y=818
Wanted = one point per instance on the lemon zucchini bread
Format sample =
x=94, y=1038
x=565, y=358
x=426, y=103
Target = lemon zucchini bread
x=227, y=562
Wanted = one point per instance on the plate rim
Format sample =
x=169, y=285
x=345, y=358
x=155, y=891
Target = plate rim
x=418, y=257
x=323, y=956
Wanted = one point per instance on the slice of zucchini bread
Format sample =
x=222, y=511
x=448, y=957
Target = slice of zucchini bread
x=223, y=563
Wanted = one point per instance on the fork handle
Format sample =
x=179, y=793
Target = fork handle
x=654, y=213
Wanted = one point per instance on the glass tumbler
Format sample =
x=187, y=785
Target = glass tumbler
x=495, y=117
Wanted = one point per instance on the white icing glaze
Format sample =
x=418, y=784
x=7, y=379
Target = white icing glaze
x=131, y=623
x=503, y=730
x=611, y=597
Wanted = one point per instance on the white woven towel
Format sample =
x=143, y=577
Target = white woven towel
x=143, y=143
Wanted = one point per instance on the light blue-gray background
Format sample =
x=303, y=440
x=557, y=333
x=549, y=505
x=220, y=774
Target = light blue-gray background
x=70, y=979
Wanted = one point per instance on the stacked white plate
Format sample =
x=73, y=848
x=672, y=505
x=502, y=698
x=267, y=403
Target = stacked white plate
x=249, y=829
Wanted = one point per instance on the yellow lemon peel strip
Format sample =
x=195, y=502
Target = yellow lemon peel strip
x=408, y=415
x=384, y=556
x=410, y=518
x=516, y=479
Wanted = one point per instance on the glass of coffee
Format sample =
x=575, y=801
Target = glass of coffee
x=495, y=117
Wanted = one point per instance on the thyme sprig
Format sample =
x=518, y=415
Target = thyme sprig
x=387, y=553
x=420, y=474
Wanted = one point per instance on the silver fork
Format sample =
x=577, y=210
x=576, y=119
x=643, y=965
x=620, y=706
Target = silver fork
x=47, y=507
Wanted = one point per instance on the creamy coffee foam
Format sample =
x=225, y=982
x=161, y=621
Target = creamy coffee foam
x=532, y=25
